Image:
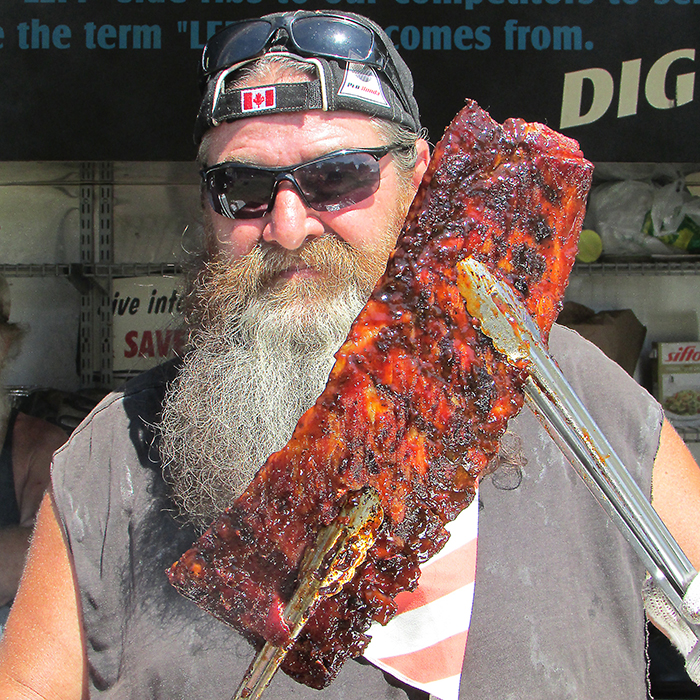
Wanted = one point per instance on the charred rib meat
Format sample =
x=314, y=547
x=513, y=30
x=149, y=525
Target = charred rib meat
x=416, y=402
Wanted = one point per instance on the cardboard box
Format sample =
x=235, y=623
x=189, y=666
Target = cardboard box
x=676, y=374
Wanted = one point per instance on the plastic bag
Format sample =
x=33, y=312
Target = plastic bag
x=618, y=211
x=634, y=217
x=674, y=217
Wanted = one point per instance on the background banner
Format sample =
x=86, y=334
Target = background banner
x=116, y=79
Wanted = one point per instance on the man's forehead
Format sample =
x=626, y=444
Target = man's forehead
x=289, y=138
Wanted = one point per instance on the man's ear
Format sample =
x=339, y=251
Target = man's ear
x=421, y=163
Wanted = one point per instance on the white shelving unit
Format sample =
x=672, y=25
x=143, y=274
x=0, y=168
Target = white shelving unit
x=67, y=230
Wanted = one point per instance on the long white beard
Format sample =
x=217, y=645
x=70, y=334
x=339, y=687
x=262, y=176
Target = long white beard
x=262, y=349
x=250, y=375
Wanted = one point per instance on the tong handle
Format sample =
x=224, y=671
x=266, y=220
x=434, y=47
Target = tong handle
x=260, y=672
x=339, y=549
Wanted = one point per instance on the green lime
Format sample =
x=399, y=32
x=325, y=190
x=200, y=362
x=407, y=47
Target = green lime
x=590, y=246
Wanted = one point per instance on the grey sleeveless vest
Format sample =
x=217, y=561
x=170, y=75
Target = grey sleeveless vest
x=557, y=609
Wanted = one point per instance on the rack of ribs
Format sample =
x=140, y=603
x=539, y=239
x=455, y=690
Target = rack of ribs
x=416, y=401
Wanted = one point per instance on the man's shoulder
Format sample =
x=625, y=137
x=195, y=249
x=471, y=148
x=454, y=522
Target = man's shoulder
x=150, y=385
x=154, y=379
x=563, y=339
x=579, y=357
x=614, y=398
x=140, y=398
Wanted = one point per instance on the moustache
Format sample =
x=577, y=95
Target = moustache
x=223, y=286
x=333, y=260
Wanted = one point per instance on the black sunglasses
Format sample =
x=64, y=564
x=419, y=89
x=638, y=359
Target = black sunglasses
x=334, y=181
x=324, y=35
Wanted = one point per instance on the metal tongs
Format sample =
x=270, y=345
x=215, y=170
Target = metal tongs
x=505, y=320
x=343, y=545
x=327, y=566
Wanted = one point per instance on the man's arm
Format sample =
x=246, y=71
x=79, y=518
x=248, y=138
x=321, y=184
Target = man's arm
x=42, y=653
x=675, y=492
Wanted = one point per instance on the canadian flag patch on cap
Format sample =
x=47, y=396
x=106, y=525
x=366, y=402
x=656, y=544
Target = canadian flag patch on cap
x=258, y=99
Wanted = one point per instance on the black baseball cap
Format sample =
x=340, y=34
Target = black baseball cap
x=356, y=65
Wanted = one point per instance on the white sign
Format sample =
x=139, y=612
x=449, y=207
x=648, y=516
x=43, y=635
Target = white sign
x=146, y=323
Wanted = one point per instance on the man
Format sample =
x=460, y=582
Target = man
x=289, y=256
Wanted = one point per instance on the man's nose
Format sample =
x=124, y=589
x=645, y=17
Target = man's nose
x=291, y=222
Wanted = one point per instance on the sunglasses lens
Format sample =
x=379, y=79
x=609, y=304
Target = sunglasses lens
x=332, y=37
x=324, y=36
x=339, y=181
x=238, y=43
x=328, y=184
x=240, y=193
